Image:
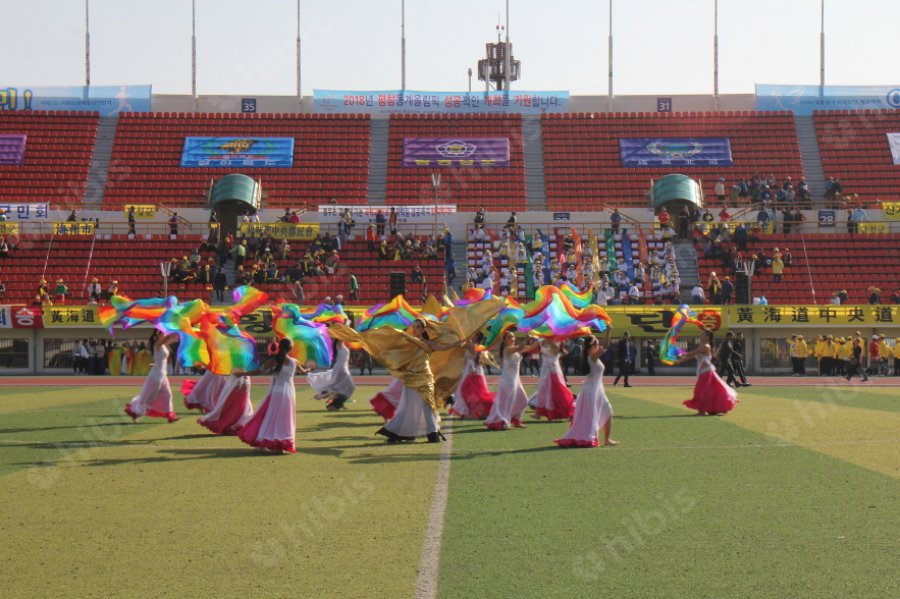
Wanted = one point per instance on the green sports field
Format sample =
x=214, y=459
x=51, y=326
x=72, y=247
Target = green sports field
x=794, y=494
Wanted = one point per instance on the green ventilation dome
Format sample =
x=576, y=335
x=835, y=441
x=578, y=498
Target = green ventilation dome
x=676, y=188
x=236, y=188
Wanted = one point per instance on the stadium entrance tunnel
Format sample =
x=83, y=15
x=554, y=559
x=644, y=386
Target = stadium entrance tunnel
x=673, y=191
x=232, y=196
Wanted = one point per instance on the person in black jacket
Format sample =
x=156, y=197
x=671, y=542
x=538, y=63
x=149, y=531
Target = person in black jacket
x=737, y=359
x=623, y=357
x=726, y=357
x=219, y=283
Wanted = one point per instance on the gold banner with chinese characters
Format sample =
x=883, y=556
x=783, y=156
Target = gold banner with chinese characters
x=301, y=231
x=891, y=210
x=865, y=227
x=71, y=316
x=8, y=228
x=826, y=315
x=141, y=210
x=73, y=228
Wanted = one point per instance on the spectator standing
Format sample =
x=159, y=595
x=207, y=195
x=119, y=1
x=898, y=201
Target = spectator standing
x=220, y=281
x=777, y=268
x=173, y=225
x=131, y=221
x=615, y=219
x=354, y=287
x=297, y=291
x=720, y=190
x=727, y=290
x=392, y=221
x=697, y=294
x=379, y=224
x=623, y=356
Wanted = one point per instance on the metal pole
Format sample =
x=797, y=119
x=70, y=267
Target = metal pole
x=508, y=57
x=610, y=92
x=194, y=50
x=822, y=51
x=87, y=43
x=299, y=92
x=470, y=80
x=403, y=45
x=716, y=54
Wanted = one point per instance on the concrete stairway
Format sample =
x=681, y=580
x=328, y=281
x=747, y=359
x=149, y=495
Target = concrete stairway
x=810, y=156
x=535, y=184
x=378, y=157
x=96, y=184
x=688, y=269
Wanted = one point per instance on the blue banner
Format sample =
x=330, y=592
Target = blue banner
x=234, y=152
x=675, y=151
x=398, y=102
x=107, y=100
x=804, y=99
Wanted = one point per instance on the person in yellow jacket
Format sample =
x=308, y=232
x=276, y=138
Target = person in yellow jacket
x=799, y=353
x=884, y=352
x=842, y=355
x=819, y=353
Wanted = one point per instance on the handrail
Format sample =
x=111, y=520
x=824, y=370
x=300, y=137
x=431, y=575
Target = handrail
x=808, y=268
x=47, y=257
x=181, y=220
x=87, y=269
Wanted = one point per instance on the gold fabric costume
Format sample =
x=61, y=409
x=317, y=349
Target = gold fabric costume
x=433, y=375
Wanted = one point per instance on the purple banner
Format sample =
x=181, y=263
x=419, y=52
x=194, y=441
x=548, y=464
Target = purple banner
x=456, y=151
x=12, y=150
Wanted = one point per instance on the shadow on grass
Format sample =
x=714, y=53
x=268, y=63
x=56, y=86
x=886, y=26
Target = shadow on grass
x=619, y=417
x=11, y=431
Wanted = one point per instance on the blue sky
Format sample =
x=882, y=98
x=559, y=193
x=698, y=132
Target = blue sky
x=250, y=47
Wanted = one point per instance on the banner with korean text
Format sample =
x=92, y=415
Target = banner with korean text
x=105, y=99
x=891, y=210
x=402, y=211
x=456, y=151
x=235, y=152
x=301, y=231
x=141, y=210
x=398, y=102
x=675, y=151
x=804, y=99
x=12, y=149
x=24, y=212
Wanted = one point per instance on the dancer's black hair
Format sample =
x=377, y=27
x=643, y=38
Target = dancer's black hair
x=284, y=347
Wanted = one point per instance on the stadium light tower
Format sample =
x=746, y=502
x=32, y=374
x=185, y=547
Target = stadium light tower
x=499, y=67
x=822, y=50
x=610, y=57
x=87, y=43
x=194, y=51
x=403, y=45
x=299, y=93
x=716, y=53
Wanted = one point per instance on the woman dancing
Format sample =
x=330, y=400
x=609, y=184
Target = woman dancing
x=233, y=409
x=553, y=400
x=472, y=399
x=711, y=395
x=272, y=426
x=385, y=402
x=592, y=409
x=155, y=398
x=510, y=400
x=335, y=386
x=203, y=394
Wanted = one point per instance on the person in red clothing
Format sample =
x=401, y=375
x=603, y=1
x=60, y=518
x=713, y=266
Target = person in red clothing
x=874, y=355
x=664, y=217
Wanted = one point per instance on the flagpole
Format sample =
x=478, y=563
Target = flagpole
x=403, y=45
x=610, y=92
x=716, y=54
x=194, y=51
x=299, y=92
x=87, y=43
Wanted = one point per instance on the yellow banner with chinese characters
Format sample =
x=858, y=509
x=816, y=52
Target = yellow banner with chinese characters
x=7, y=228
x=300, y=231
x=891, y=210
x=141, y=210
x=865, y=227
x=73, y=228
x=826, y=315
x=655, y=321
x=71, y=316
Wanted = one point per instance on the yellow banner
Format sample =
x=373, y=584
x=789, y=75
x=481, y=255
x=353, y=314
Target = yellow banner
x=872, y=227
x=73, y=228
x=891, y=210
x=141, y=210
x=301, y=231
x=8, y=228
x=71, y=316
x=827, y=315
x=655, y=321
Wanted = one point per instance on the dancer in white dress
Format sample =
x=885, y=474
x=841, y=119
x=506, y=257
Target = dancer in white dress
x=155, y=398
x=233, y=409
x=510, y=400
x=203, y=394
x=472, y=399
x=385, y=402
x=273, y=425
x=335, y=386
x=592, y=408
x=552, y=400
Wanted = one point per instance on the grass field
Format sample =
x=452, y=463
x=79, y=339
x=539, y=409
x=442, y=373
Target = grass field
x=794, y=494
